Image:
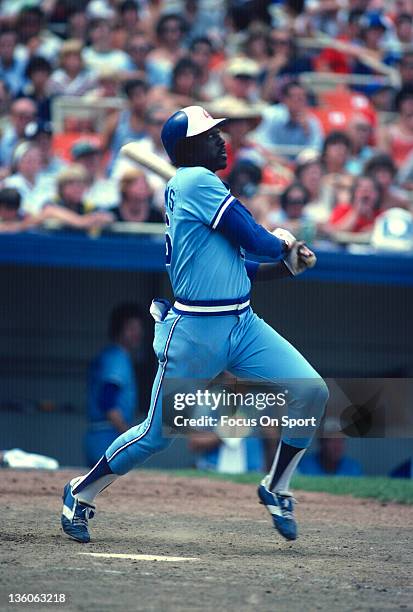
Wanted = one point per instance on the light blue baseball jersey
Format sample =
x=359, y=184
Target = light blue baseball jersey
x=202, y=264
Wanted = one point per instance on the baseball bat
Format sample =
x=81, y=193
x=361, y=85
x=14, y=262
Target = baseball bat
x=149, y=160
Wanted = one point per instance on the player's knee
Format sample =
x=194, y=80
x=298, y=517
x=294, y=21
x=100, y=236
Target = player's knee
x=315, y=396
x=322, y=392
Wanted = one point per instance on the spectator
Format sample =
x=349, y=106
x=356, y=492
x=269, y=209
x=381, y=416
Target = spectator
x=77, y=22
x=402, y=35
x=38, y=72
x=336, y=152
x=112, y=390
x=71, y=78
x=291, y=214
x=290, y=123
x=360, y=132
x=330, y=460
x=334, y=157
x=201, y=51
x=103, y=191
x=359, y=216
x=244, y=179
x=406, y=68
x=136, y=200
x=240, y=79
x=71, y=208
x=128, y=21
x=23, y=111
x=25, y=177
x=258, y=45
x=243, y=118
x=184, y=88
x=72, y=185
x=11, y=216
x=309, y=172
x=285, y=65
x=4, y=106
x=100, y=53
x=382, y=169
x=40, y=133
x=34, y=36
x=170, y=33
x=138, y=48
x=12, y=68
x=129, y=124
x=396, y=139
x=405, y=174
x=107, y=84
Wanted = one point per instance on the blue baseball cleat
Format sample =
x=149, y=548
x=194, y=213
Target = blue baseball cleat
x=281, y=508
x=75, y=516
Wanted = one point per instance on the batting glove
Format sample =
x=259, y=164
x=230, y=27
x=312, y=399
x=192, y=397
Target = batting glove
x=299, y=258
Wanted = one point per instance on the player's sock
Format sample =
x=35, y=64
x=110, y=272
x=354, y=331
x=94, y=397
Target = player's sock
x=285, y=462
x=86, y=488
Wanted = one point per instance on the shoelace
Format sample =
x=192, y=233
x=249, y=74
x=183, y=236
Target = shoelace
x=83, y=516
x=287, y=506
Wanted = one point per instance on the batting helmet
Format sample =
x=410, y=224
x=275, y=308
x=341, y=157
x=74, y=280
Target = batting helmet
x=187, y=122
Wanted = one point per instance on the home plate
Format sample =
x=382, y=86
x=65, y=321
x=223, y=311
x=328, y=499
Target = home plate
x=138, y=557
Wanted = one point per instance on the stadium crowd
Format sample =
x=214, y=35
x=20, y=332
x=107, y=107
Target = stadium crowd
x=319, y=96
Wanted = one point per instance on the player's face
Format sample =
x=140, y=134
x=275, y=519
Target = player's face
x=213, y=150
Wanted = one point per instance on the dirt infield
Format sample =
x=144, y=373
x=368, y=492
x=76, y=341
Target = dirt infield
x=351, y=554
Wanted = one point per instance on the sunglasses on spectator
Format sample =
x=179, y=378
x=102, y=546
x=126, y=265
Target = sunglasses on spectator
x=172, y=29
x=142, y=49
x=24, y=115
x=244, y=77
x=296, y=201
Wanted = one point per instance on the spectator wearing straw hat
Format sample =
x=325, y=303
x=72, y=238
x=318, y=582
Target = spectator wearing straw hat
x=242, y=119
x=240, y=79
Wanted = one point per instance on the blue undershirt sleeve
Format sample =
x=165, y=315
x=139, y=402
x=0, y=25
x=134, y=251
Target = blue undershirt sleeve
x=251, y=268
x=238, y=225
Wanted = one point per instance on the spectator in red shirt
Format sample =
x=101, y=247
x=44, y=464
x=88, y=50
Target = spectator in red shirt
x=361, y=214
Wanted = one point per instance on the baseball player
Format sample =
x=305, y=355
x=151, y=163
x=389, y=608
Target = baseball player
x=211, y=326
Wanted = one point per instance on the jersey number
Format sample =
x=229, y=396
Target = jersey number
x=168, y=243
x=169, y=205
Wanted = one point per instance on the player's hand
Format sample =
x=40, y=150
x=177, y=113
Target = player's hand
x=299, y=258
x=285, y=235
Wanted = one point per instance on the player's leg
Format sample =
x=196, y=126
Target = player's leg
x=260, y=353
x=185, y=348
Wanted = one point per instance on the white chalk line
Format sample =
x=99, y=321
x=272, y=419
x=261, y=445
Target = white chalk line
x=138, y=557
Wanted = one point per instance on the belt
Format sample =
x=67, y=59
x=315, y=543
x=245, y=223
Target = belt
x=212, y=307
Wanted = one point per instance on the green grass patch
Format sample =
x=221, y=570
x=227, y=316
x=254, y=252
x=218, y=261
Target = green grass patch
x=379, y=488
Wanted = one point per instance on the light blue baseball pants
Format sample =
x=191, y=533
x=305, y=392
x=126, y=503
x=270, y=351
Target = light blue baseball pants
x=204, y=346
